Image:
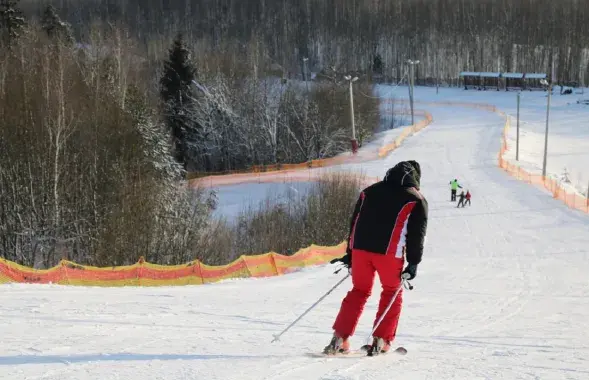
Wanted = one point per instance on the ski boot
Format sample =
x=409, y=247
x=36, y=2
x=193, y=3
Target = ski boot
x=338, y=345
x=378, y=346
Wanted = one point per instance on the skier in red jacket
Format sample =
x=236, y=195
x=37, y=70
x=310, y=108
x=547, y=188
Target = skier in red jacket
x=388, y=226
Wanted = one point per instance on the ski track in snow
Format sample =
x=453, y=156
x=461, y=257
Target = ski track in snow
x=501, y=294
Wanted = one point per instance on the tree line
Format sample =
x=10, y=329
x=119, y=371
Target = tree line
x=230, y=120
x=105, y=106
x=447, y=36
x=96, y=138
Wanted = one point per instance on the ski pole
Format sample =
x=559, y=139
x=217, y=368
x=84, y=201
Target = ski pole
x=403, y=281
x=277, y=336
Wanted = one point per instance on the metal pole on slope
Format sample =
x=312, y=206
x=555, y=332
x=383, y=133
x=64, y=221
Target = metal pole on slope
x=352, y=109
x=411, y=93
x=552, y=75
x=437, y=76
x=546, y=132
x=410, y=87
x=277, y=336
x=354, y=141
x=517, y=138
x=412, y=64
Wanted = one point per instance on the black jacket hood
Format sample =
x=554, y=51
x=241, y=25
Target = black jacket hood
x=404, y=174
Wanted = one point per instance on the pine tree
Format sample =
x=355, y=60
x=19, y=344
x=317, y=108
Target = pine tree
x=11, y=21
x=177, y=94
x=54, y=27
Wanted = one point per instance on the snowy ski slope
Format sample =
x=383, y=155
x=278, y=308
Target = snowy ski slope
x=502, y=293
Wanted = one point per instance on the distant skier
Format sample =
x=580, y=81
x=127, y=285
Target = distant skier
x=461, y=199
x=388, y=226
x=467, y=198
x=454, y=185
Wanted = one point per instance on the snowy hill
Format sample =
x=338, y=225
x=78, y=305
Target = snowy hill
x=501, y=293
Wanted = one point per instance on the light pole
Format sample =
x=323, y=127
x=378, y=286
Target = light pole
x=412, y=64
x=354, y=141
x=544, y=82
x=517, y=138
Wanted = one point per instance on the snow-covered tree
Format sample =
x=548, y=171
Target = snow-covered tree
x=11, y=21
x=156, y=139
x=222, y=136
x=54, y=27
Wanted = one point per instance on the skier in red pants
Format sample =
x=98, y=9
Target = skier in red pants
x=388, y=226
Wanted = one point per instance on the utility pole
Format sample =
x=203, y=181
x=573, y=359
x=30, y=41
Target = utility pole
x=411, y=85
x=517, y=138
x=354, y=141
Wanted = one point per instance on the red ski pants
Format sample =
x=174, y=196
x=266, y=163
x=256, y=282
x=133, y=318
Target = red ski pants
x=364, y=265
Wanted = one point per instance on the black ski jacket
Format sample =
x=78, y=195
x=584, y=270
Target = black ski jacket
x=390, y=216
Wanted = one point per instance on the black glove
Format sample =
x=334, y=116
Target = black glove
x=346, y=260
x=410, y=272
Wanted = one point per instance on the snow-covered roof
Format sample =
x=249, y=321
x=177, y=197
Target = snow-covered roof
x=490, y=75
x=535, y=76
x=513, y=75
x=469, y=74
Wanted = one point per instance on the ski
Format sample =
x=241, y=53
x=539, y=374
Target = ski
x=399, y=351
x=349, y=354
x=362, y=352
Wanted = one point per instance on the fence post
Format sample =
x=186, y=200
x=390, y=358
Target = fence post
x=63, y=273
x=139, y=277
x=273, y=262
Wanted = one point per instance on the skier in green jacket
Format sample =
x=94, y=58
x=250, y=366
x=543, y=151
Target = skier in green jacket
x=454, y=185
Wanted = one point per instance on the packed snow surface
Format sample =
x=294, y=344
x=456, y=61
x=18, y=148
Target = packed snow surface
x=236, y=200
x=502, y=292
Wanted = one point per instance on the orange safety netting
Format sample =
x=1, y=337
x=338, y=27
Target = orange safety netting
x=298, y=172
x=570, y=198
x=146, y=274
x=264, y=265
x=385, y=150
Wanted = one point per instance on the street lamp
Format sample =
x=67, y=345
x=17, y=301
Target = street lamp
x=545, y=83
x=412, y=64
x=354, y=141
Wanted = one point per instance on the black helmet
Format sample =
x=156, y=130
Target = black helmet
x=405, y=174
